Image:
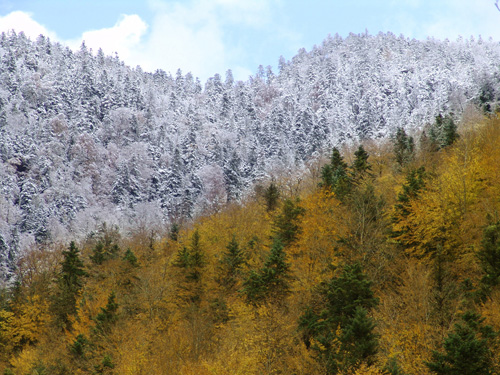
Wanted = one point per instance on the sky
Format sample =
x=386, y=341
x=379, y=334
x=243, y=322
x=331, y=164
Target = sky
x=206, y=37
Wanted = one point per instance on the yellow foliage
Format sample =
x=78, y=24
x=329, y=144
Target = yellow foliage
x=23, y=363
x=369, y=370
x=160, y=331
x=25, y=325
x=314, y=250
x=442, y=211
x=404, y=320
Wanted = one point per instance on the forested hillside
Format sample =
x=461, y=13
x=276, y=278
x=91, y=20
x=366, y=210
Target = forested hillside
x=85, y=139
x=384, y=259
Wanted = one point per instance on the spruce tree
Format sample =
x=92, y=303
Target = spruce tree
x=271, y=282
x=130, y=257
x=338, y=327
x=415, y=182
x=191, y=261
x=286, y=225
x=489, y=258
x=403, y=147
x=69, y=283
x=443, y=132
x=335, y=177
x=467, y=349
x=231, y=264
x=271, y=196
x=196, y=257
x=359, y=342
x=108, y=315
x=360, y=166
x=174, y=232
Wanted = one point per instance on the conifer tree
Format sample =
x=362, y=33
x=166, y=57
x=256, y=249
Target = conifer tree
x=489, y=258
x=338, y=327
x=231, y=264
x=130, y=257
x=103, y=251
x=415, y=182
x=174, y=232
x=360, y=166
x=443, y=132
x=196, y=257
x=69, y=282
x=286, y=225
x=107, y=316
x=403, y=147
x=334, y=176
x=360, y=163
x=271, y=196
x=271, y=282
x=191, y=260
x=467, y=349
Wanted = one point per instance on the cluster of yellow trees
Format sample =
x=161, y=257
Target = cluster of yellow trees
x=385, y=260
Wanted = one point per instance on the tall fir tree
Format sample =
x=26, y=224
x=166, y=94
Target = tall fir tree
x=489, y=259
x=403, y=147
x=335, y=177
x=271, y=196
x=69, y=284
x=415, y=182
x=360, y=167
x=286, y=225
x=231, y=264
x=467, y=349
x=272, y=282
x=443, y=132
x=338, y=327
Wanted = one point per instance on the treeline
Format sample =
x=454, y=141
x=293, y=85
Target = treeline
x=384, y=259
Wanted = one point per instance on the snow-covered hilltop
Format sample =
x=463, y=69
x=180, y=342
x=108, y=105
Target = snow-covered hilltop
x=86, y=139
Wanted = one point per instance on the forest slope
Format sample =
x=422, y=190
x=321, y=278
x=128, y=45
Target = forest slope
x=85, y=139
x=364, y=266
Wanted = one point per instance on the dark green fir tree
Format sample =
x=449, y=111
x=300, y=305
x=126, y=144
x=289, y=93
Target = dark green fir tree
x=467, y=349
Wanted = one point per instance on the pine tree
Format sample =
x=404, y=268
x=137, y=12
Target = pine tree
x=415, y=182
x=231, y=264
x=403, y=147
x=334, y=176
x=360, y=166
x=338, y=327
x=69, y=282
x=443, y=132
x=489, y=258
x=286, y=225
x=467, y=349
x=271, y=196
x=271, y=282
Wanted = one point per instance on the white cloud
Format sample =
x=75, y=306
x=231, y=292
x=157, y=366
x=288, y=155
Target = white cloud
x=186, y=37
x=192, y=35
x=124, y=37
x=22, y=21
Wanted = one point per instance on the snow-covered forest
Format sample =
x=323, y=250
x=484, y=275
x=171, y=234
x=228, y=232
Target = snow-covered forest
x=85, y=139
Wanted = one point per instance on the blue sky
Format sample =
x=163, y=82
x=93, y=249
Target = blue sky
x=210, y=36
